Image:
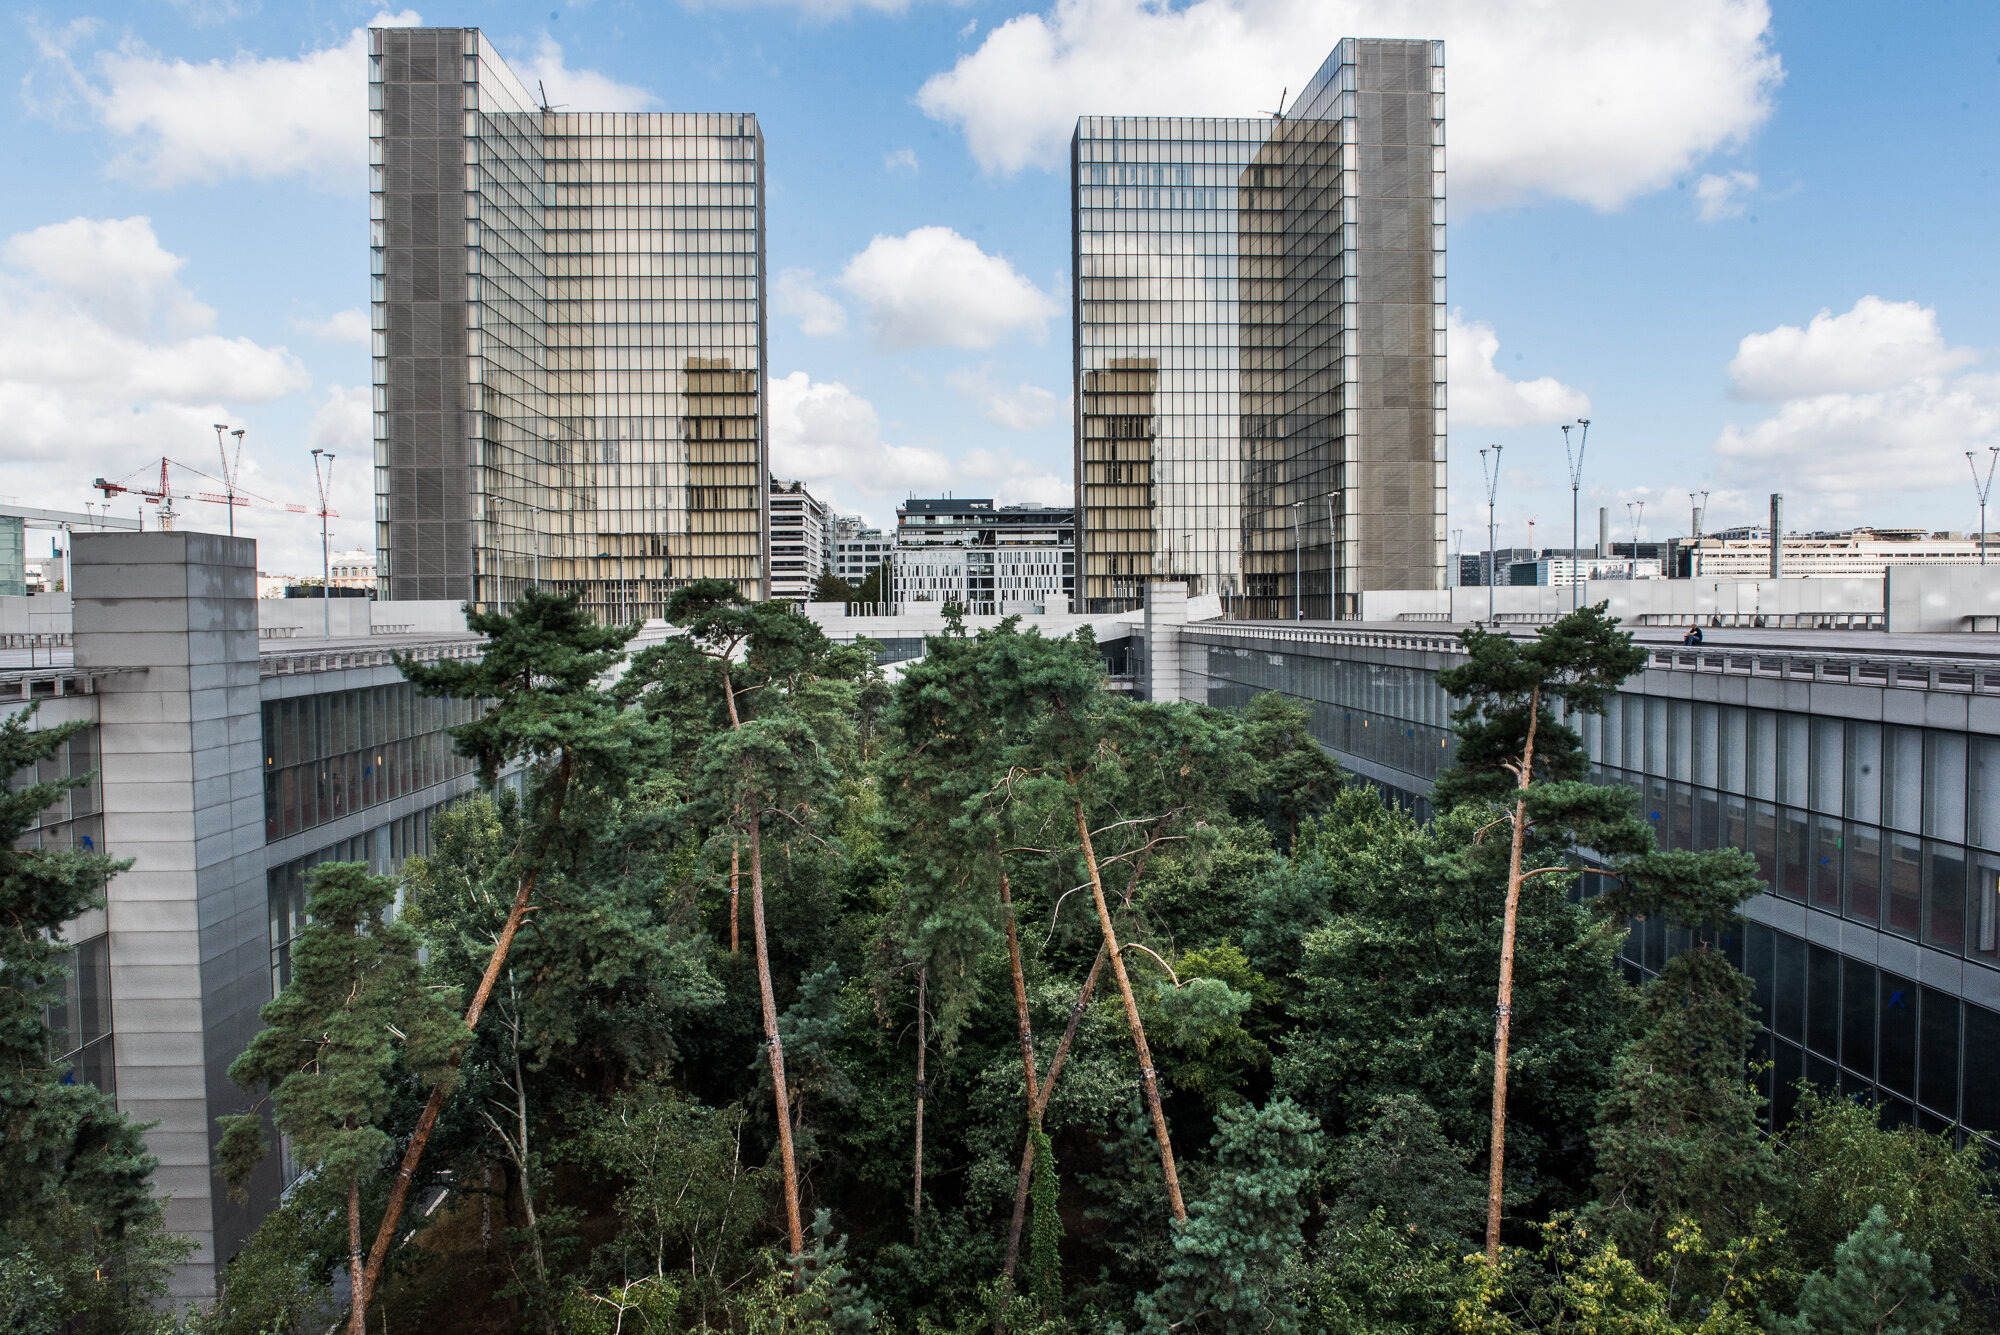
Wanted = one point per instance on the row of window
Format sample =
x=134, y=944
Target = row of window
x=384, y=849
x=74, y=820
x=340, y=752
x=1922, y=1054
x=80, y=1025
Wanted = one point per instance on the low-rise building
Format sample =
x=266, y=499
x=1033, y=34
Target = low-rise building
x=1746, y=552
x=854, y=550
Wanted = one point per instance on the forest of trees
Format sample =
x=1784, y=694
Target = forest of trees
x=791, y=1000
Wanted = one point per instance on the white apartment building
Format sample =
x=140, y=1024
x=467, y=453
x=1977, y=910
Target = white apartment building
x=991, y=560
x=799, y=524
x=353, y=569
x=1746, y=552
x=854, y=550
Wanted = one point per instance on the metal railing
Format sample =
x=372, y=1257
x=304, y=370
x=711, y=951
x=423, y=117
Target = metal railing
x=44, y=683
x=283, y=664
x=35, y=639
x=1370, y=639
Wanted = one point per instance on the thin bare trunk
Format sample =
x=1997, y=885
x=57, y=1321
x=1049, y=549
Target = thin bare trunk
x=528, y=1190
x=1503, y=1008
x=1026, y=1177
x=1149, y=1081
x=794, y=1232
x=486, y=1213
x=917, y=1164
x=357, y=1316
x=734, y=869
x=399, y=1194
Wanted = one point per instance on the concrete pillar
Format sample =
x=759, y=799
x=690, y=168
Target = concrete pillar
x=1604, y=532
x=1166, y=614
x=181, y=747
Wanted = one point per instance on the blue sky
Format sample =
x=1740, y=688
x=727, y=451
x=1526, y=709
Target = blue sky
x=1651, y=206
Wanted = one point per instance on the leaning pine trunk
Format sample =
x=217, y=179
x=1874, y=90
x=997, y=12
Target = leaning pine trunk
x=399, y=1194
x=1041, y=1106
x=1149, y=1082
x=1503, y=1009
x=794, y=1233
x=917, y=1164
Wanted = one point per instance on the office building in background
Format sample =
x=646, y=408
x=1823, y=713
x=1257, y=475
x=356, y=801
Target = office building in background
x=990, y=560
x=568, y=338
x=1260, y=362
x=799, y=526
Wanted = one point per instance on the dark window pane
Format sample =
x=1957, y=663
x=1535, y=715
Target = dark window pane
x=1896, y=1045
x=1757, y=963
x=1654, y=953
x=1826, y=863
x=1787, y=1068
x=1789, y=999
x=1760, y=1069
x=1983, y=893
x=1905, y=880
x=1763, y=842
x=1857, y=1018
x=1823, y=1001
x=1863, y=849
x=1735, y=822
x=1707, y=820
x=1938, y=1071
x=1822, y=1073
x=1795, y=853
x=1944, y=897
x=1982, y=1069
x=1894, y=1113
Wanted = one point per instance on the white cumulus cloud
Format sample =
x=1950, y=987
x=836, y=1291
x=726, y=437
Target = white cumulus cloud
x=92, y=383
x=901, y=160
x=1024, y=407
x=796, y=294
x=1481, y=394
x=1876, y=345
x=1719, y=196
x=264, y=117
x=348, y=326
x=934, y=288
x=1574, y=99
x=1867, y=403
x=830, y=437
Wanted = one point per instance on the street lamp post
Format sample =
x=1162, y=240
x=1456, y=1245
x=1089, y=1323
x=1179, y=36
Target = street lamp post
x=325, y=485
x=1298, y=568
x=1575, y=483
x=1993, y=457
x=1492, y=492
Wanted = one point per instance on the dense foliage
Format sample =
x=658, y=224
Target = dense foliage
x=988, y=1000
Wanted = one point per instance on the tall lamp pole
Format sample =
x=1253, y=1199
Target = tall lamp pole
x=1492, y=477
x=1298, y=568
x=1575, y=484
x=1993, y=457
x=325, y=548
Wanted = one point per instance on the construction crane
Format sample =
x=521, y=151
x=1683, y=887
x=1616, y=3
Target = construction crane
x=162, y=487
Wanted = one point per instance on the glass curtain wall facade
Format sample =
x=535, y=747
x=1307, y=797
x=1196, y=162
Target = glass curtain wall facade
x=1888, y=834
x=569, y=338
x=1259, y=318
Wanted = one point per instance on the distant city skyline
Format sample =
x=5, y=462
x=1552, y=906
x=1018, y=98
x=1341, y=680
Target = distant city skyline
x=1762, y=266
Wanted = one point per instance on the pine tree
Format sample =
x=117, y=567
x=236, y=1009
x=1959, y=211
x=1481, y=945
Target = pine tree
x=539, y=678
x=1514, y=753
x=1405, y=1169
x=1879, y=1286
x=77, y=1214
x=1678, y=1136
x=327, y=1056
x=1229, y=1258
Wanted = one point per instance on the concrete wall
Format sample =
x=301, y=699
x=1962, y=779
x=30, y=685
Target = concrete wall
x=1631, y=599
x=183, y=798
x=43, y=614
x=357, y=618
x=1944, y=598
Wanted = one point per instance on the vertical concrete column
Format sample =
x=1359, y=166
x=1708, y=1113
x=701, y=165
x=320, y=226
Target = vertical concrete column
x=1166, y=614
x=181, y=743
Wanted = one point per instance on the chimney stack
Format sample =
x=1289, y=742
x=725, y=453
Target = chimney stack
x=1603, y=532
x=1777, y=534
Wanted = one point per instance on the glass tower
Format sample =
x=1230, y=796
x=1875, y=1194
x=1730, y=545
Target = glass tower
x=1260, y=360
x=568, y=338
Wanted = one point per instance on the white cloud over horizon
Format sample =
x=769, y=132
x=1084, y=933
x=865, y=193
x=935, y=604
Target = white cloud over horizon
x=1024, y=407
x=1867, y=403
x=1570, y=99
x=180, y=122
x=830, y=438
x=796, y=293
x=932, y=288
x=1720, y=196
x=1481, y=394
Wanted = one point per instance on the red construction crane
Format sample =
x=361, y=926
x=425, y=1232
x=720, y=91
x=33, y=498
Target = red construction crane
x=161, y=490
